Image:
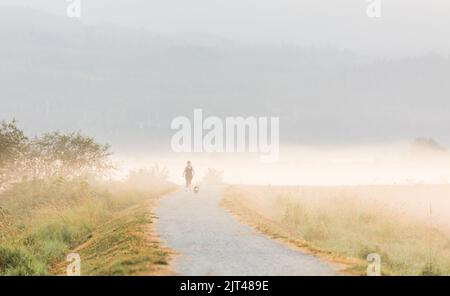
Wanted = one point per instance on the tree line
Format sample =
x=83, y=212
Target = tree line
x=55, y=154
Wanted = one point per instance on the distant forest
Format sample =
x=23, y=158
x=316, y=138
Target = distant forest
x=124, y=86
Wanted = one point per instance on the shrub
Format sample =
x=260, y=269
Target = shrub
x=16, y=260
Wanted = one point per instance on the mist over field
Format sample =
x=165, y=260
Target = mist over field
x=395, y=164
x=124, y=84
x=87, y=160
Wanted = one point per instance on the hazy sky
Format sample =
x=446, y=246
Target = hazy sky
x=407, y=27
x=124, y=87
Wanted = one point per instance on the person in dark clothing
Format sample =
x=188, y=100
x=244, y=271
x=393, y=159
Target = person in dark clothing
x=188, y=175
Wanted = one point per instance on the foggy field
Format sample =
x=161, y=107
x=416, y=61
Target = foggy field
x=326, y=122
x=409, y=226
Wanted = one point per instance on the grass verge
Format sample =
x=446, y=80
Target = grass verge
x=342, y=229
x=124, y=245
x=109, y=225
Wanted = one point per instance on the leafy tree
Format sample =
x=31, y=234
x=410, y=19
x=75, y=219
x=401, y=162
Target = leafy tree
x=68, y=155
x=427, y=144
x=51, y=155
x=13, y=145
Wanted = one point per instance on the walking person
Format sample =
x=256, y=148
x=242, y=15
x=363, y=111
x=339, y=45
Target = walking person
x=188, y=175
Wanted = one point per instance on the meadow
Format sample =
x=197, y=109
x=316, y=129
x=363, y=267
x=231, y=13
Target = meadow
x=408, y=226
x=108, y=224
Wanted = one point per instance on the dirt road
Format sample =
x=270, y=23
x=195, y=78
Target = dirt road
x=211, y=242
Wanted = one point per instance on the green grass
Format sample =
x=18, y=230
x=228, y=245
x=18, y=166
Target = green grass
x=345, y=228
x=123, y=246
x=43, y=221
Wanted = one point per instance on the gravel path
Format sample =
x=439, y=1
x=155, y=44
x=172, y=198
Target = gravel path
x=211, y=242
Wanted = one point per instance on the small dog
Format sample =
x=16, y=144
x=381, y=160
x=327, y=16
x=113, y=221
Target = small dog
x=196, y=189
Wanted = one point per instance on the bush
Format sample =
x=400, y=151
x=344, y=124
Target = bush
x=18, y=261
x=431, y=269
x=51, y=155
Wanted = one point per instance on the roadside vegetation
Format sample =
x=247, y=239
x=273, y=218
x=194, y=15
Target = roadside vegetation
x=55, y=200
x=345, y=225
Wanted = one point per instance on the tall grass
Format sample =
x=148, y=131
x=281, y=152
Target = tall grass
x=349, y=226
x=41, y=221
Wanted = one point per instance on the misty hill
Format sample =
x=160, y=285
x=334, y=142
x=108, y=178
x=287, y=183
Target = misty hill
x=125, y=86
